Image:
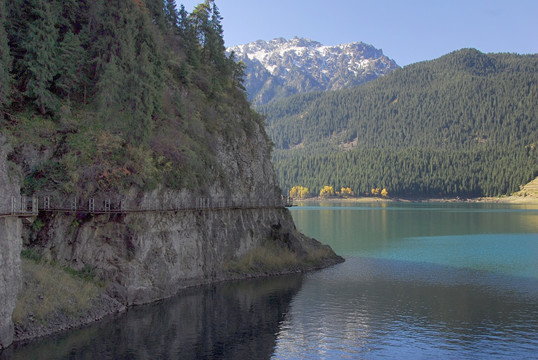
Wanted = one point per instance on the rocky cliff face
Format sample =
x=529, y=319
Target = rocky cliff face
x=148, y=256
x=10, y=249
x=280, y=67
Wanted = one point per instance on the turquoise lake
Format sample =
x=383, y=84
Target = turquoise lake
x=420, y=281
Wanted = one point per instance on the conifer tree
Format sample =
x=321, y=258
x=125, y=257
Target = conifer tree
x=183, y=18
x=73, y=16
x=40, y=56
x=171, y=15
x=128, y=69
x=108, y=89
x=5, y=58
x=191, y=39
x=199, y=20
x=216, y=50
x=156, y=10
x=71, y=65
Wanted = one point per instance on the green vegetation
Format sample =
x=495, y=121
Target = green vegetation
x=49, y=294
x=462, y=125
x=267, y=258
x=282, y=252
x=86, y=273
x=277, y=258
x=104, y=96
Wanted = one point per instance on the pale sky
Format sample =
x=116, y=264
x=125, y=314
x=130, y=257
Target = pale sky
x=407, y=31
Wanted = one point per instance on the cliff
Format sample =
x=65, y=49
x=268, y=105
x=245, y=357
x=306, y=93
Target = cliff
x=141, y=257
x=151, y=255
x=138, y=108
x=10, y=245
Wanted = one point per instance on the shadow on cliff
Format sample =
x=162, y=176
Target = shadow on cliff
x=235, y=320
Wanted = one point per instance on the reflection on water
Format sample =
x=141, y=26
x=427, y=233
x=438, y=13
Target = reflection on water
x=420, y=281
x=236, y=320
x=376, y=308
x=372, y=228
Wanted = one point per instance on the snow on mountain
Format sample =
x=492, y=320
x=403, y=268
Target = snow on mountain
x=280, y=67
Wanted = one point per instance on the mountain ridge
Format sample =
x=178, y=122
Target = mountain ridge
x=460, y=125
x=279, y=68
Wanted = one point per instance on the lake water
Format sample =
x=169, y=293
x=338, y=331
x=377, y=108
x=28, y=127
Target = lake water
x=421, y=280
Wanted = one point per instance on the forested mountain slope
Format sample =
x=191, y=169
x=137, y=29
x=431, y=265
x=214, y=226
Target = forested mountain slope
x=465, y=124
x=109, y=95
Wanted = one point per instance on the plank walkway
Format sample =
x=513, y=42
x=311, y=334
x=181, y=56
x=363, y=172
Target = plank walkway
x=26, y=206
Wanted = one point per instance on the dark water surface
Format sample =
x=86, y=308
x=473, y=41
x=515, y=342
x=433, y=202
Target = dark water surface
x=422, y=280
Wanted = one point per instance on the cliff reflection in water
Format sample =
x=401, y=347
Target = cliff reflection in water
x=237, y=320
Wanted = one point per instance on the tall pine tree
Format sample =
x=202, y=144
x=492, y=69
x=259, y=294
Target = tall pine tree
x=171, y=15
x=71, y=65
x=128, y=68
x=40, y=55
x=5, y=59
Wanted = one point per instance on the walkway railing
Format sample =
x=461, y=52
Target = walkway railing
x=25, y=206
x=20, y=206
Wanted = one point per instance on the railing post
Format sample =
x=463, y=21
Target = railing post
x=13, y=205
x=74, y=204
x=107, y=205
x=35, y=205
x=46, y=203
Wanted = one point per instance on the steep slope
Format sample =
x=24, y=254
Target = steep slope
x=461, y=125
x=280, y=67
x=136, y=104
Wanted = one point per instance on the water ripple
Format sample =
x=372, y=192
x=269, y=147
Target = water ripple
x=349, y=312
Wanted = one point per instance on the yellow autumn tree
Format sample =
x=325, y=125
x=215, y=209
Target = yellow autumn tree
x=299, y=192
x=384, y=192
x=376, y=191
x=326, y=191
x=346, y=191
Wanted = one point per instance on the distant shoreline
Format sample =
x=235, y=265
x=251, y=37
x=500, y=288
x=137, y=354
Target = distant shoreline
x=524, y=200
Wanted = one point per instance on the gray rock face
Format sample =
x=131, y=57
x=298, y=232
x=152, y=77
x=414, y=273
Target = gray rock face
x=10, y=249
x=10, y=275
x=280, y=67
x=151, y=255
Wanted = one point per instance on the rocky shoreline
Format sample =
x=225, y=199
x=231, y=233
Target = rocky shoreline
x=104, y=306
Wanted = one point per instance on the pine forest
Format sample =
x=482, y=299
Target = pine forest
x=463, y=125
x=104, y=95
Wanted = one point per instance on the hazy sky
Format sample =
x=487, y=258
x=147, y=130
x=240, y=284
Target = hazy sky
x=408, y=31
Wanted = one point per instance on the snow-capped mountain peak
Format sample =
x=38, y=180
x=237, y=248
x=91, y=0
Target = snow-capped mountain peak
x=280, y=67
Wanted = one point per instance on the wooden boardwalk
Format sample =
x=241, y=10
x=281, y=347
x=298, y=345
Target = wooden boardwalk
x=26, y=206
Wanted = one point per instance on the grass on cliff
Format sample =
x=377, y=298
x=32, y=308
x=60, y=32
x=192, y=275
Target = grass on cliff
x=275, y=257
x=269, y=257
x=50, y=291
